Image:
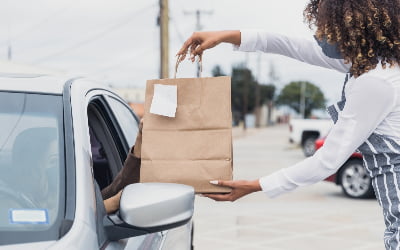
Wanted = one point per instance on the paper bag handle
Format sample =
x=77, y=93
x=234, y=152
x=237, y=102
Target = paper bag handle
x=178, y=61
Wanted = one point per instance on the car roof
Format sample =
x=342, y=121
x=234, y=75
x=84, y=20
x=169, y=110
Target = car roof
x=50, y=84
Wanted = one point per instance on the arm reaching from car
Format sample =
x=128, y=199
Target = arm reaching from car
x=112, y=204
x=129, y=174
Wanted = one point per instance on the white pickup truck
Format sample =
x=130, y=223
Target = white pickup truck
x=304, y=132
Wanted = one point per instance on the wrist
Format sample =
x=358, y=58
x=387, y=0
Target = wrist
x=231, y=36
x=255, y=185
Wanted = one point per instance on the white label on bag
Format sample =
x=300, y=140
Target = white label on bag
x=29, y=216
x=164, y=100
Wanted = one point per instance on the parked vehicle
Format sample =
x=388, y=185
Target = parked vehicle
x=50, y=179
x=304, y=132
x=352, y=176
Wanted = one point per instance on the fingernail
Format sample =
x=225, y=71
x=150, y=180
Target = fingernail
x=201, y=195
x=214, y=182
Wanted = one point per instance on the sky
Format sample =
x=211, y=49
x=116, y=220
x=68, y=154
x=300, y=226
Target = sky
x=118, y=41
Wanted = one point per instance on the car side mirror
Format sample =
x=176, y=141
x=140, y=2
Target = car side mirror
x=149, y=208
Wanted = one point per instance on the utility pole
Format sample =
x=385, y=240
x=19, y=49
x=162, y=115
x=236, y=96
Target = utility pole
x=9, y=52
x=303, y=99
x=198, y=27
x=164, y=39
x=9, y=48
x=246, y=84
x=273, y=78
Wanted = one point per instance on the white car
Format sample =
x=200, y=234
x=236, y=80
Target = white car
x=61, y=141
x=305, y=132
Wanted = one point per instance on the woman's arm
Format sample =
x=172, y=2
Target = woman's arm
x=304, y=50
x=369, y=101
x=358, y=120
x=253, y=40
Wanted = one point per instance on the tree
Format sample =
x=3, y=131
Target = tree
x=217, y=71
x=243, y=91
x=312, y=96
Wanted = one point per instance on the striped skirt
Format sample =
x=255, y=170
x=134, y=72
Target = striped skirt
x=381, y=157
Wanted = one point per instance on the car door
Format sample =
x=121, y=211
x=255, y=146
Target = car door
x=113, y=128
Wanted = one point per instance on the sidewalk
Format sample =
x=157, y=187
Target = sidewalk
x=239, y=132
x=311, y=218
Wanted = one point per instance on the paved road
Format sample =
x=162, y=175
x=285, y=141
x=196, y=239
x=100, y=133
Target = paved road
x=312, y=218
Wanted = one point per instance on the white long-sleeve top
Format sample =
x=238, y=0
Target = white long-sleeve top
x=372, y=106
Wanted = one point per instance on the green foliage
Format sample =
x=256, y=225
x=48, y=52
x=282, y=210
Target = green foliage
x=244, y=90
x=217, y=71
x=291, y=94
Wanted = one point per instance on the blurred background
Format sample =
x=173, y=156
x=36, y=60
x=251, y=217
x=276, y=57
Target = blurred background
x=119, y=42
x=123, y=43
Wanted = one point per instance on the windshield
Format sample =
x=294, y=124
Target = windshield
x=31, y=165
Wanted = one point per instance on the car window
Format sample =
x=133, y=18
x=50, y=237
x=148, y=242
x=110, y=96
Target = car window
x=31, y=165
x=106, y=145
x=126, y=120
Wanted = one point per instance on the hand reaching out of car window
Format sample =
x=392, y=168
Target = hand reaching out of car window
x=239, y=188
x=200, y=41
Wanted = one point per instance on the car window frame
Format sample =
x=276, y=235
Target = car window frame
x=96, y=99
x=104, y=243
x=101, y=123
x=129, y=109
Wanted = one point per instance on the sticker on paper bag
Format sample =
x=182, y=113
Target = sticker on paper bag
x=28, y=216
x=164, y=100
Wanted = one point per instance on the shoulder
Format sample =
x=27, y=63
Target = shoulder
x=380, y=77
x=377, y=83
x=388, y=74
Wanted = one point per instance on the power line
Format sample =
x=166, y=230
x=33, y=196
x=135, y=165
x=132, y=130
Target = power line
x=178, y=31
x=198, y=14
x=118, y=64
x=199, y=27
x=98, y=35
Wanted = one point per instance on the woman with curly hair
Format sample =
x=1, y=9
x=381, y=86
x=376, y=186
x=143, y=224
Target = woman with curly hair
x=362, y=39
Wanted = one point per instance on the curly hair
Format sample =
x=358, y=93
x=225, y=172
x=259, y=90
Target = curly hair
x=365, y=31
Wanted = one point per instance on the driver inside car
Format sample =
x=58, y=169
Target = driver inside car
x=35, y=161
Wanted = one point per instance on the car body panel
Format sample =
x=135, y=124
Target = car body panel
x=33, y=83
x=32, y=245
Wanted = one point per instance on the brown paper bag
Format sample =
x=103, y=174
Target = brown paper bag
x=195, y=146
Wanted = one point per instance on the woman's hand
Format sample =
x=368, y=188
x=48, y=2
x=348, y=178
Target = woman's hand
x=239, y=189
x=200, y=41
